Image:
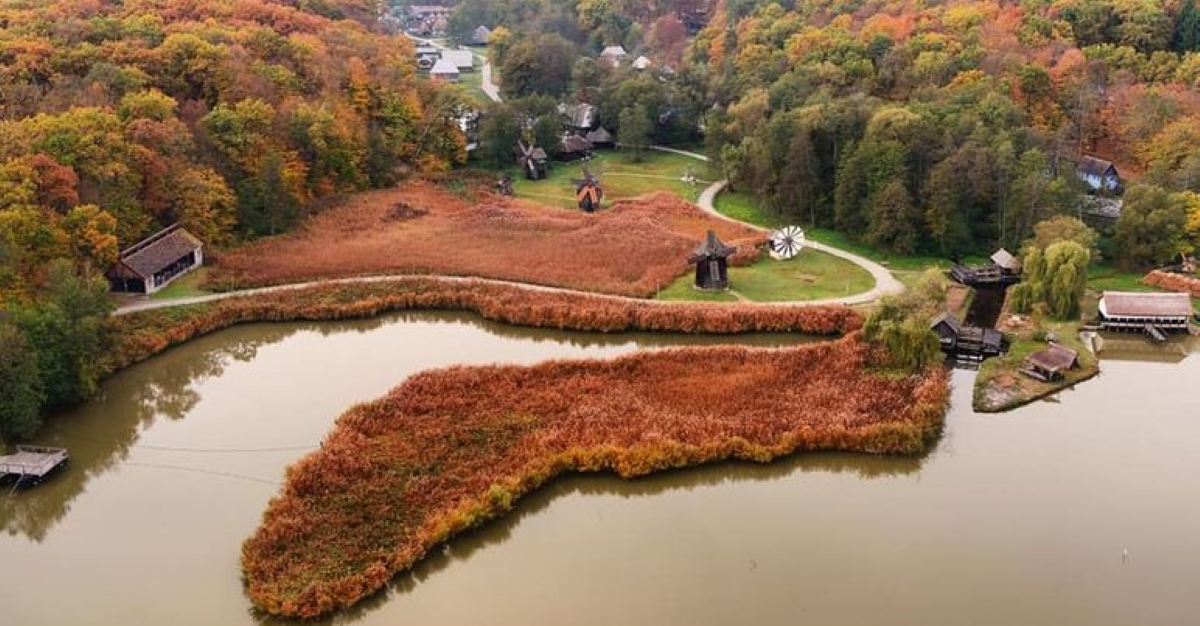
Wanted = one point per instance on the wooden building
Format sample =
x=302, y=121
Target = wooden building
x=1002, y=269
x=1050, y=364
x=1099, y=175
x=1151, y=313
x=154, y=262
x=444, y=69
x=710, y=257
x=573, y=148
x=960, y=340
x=601, y=138
x=480, y=36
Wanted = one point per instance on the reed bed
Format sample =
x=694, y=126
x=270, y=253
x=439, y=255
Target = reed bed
x=450, y=449
x=633, y=248
x=144, y=334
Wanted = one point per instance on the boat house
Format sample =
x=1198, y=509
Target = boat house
x=1099, y=175
x=970, y=342
x=712, y=272
x=1151, y=313
x=154, y=262
x=1050, y=364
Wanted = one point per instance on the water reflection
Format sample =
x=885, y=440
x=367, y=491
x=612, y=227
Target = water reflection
x=100, y=434
x=463, y=547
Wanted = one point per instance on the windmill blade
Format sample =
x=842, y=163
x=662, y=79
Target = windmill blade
x=787, y=242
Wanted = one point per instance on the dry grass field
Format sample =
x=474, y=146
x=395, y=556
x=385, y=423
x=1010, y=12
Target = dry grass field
x=633, y=248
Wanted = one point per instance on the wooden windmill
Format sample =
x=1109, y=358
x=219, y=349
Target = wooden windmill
x=588, y=192
x=532, y=161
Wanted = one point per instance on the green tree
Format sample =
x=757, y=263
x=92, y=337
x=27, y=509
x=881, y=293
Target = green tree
x=69, y=330
x=499, y=131
x=637, y=131
x=1186, y=35
x=539, y=64
x=21, y=394
x=1150, y=230
x=1065, y=228
x=894, y=222
x=1054, y=279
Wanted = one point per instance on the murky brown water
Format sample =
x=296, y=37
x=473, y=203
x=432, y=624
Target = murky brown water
x=1080, y=511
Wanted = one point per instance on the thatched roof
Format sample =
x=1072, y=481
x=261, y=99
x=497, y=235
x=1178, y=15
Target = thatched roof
x=1092, y=166
x=575, y=143
x=443, y=67
x=1054, y=358
x=580, y=116
x=712, y=248
x=1134, y=304
x=480, y=35
x=1005, y=260
x=159, y=250
x=600, y=135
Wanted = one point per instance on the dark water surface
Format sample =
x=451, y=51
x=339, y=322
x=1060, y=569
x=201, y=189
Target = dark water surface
x=1084, y=510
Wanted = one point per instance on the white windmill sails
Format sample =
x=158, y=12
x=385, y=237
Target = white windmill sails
x=787, y=242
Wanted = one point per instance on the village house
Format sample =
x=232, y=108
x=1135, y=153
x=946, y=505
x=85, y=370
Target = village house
x=444, y=70
x=480, y=36
x=154, y=262
x=579, y=119
x=1099, y=175
x=641, y=63
x=463, y=60
x=613, y=55
x=1151, y=313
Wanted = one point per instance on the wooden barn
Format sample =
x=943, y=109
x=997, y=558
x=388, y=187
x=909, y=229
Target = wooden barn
x=1151, y=313
x=710, y=257
x=1050, y=364
x=154, y=262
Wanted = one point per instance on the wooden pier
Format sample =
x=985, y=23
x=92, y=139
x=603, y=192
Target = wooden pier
x=32, y=463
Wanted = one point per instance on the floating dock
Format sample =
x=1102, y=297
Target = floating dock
x=32, y=463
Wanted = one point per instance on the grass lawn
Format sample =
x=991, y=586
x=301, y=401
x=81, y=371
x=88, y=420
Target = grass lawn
x=1107, y=278
x=1000, y=386
x=811, y=275
x=184, y=286
x=907, y=268
x=621, y=177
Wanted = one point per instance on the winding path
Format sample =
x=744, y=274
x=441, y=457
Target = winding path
x=885, y=282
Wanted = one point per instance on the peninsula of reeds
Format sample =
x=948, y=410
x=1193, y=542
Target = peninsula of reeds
x=450, y=449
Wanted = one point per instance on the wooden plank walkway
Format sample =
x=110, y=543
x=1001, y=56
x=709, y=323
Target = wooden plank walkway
x=32, y=463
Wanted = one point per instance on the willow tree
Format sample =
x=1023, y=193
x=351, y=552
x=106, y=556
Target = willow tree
x=1055, y=278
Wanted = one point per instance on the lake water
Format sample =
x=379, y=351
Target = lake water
x=1081, y=510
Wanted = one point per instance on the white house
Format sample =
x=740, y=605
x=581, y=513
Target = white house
x=641, y=63
x=1100, y=175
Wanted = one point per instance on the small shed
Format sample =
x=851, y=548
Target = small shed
x=1123, y=310
x=641, y=63
x=463, y=60
x=710, y=257
x=1099, y=174
x=444, y=70
x=480, y=36
x=1050, y=364
x=151, y=264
